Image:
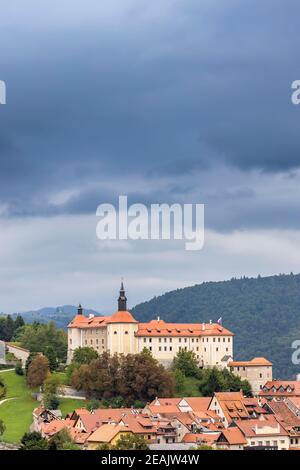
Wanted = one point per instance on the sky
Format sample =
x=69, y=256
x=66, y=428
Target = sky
x=178, y=101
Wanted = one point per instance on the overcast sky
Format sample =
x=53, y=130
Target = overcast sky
x=171, y=101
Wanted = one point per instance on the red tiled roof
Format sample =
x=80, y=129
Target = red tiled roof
x=198, y=438
x=198, y=403
x=233, y=436
x=293, y=385
x=232, y=405
x=122, y=317
x=248, y=427
x=256, y=361
x=161, y=328
x=80, y=321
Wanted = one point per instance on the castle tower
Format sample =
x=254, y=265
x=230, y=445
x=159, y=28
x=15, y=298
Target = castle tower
x=122, y=328
x=122, y=300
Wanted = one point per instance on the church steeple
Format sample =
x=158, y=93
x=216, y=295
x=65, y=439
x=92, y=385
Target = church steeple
x=122, y=300
x=80, y=310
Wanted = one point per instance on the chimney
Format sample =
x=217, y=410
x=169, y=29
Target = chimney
x=158, y=318
x=203, y=326
x=79, y=310
x=91, y=315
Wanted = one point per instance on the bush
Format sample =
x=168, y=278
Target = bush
x=2, y=389
x=33, y=441
x=18, y=368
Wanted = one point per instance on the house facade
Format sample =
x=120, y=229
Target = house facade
x=258, y=371
x=121, y=333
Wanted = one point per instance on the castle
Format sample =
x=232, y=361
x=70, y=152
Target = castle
x=121, y=333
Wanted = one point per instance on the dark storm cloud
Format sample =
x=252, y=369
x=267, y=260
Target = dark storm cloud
x=111, y=95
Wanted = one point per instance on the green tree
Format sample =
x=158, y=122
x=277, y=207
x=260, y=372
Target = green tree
x=132, y=377
x=29, y=360
x=186, y=362
x=33, y=441
x=104, y=446
x=131, y=442
x=93, y=404
x=51, y=389
x=60, y=440
x=37, y=371
x=51, y=356
x=179, y=380
x=84, y=355
x=213, y=380
x=39, y=337
x=19, y=369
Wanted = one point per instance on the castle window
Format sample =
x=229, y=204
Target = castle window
x=165, y=348
x=126, y=332
x=170, y=340
x=219, y=339
x=145, y=339
x=192, y=340
x=97, y=341
x=185, y=340
x=170, y=348
x=228, y=340
x=223, y=340
x=179, y=340
x=165, y=340
x=150, y=340
x=150, y=348
x=214, y=340
x=159, y=340
x=217, y=349
x=159, y=348
x=115, y=332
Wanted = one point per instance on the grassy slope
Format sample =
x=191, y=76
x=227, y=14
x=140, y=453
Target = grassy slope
x=190, y=388
x=17, y=413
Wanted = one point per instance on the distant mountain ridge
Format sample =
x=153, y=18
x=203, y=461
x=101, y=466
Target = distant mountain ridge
x=263, y=312
x=62, y=315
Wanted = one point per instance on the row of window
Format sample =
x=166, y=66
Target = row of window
x=186, y=339
x=180, y=348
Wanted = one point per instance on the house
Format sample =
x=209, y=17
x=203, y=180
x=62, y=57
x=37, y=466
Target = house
x=229, y=406
x=280, y=389
x=121, y=333
x=198, y=439
x=162, y=406
x=42, y=415
x=257, y=371
x=264, y=432
x=88, y=421
x=231, y=439
x=288, y=420
x=107, y=434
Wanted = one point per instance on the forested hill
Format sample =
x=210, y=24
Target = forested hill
x=264, y=313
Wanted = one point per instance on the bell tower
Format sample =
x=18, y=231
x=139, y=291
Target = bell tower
x=122, y=300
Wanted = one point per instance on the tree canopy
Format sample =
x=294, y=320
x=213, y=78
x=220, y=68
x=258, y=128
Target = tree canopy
x=132, y=377
x=44, y=338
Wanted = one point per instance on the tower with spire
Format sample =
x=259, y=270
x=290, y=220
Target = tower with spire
x=122, y=300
